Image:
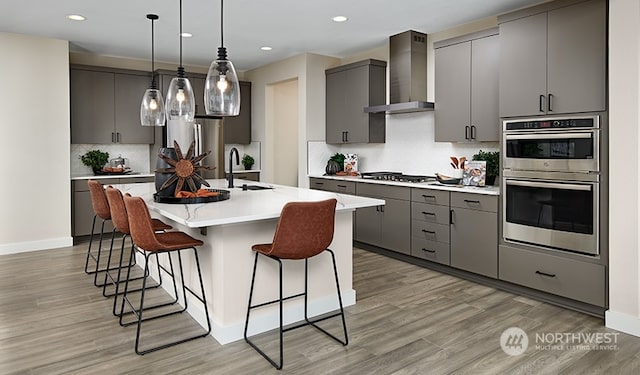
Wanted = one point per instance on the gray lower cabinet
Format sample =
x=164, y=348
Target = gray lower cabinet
x=466, y=88
x=82, y=209
x=581, y=281
x=387, y=226
x=430, y=225
x=105, y=106
x=553, y=59
x=474, y=233
x=349, y=89
x=251, y=176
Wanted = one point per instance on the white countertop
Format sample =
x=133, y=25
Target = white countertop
x=486, y=190
x=243, y=206
x=103, y=176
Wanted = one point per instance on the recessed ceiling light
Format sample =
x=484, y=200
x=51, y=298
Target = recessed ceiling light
x=186, y=35
x=76, y=17
x=339, y=19
x=266, y=48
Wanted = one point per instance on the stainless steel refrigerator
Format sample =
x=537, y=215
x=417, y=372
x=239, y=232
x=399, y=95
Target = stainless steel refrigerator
x=207, y=134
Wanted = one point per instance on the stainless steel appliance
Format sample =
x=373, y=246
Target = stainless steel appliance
x=208, y=136
x=552, y=144
x=551, y=182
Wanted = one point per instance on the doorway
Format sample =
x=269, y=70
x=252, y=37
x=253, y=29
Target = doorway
x=284, y=121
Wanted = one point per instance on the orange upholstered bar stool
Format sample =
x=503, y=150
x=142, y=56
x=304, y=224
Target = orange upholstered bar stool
x=101, y=210
x=304, y=230
x=151, y=243
x=121, y=223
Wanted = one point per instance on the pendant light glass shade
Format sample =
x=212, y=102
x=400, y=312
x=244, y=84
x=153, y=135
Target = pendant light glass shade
x=222, y=88
x=152, y=107
x=181, y=104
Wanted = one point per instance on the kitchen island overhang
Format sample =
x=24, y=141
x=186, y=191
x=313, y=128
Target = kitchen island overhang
x=229, y=228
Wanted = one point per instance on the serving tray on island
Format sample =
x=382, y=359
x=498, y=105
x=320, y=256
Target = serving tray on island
x=222, y=196
x=107, y=173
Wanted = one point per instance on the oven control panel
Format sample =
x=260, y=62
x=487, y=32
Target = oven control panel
x=559, y=123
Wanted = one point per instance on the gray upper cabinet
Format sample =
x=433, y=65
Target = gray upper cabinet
x=349, y=89
x=129, y=90
x=197, y=84
x=237, y=129
x=105, y=106
x=553, y=59
x=92, y=106
x=466, y=88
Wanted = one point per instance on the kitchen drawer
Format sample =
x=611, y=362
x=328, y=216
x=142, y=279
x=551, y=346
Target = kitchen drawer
x=430, y=231
x=430, y=250
x=383, y=191
x=430, y=213
x=250, y=176
x=439, y=197
x=82, y=185
x=136, y=180
x=474, y=201
x=336, y=186
x=569, y=278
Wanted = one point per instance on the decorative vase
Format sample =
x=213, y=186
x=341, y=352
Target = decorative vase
x=248, y=166
x=332, y=167
x=489, y=180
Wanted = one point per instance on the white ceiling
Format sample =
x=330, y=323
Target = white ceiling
x=291, y=27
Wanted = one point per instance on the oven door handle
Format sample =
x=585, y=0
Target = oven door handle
x=509, y=137
x=549, y=185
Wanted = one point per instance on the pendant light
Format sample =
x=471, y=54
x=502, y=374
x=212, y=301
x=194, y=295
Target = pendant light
x=152, y=107
x=181, y=104
x=222, y=89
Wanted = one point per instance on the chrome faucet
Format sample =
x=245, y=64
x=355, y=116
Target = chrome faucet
x=230, y=176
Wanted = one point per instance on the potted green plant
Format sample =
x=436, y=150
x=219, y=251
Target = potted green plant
x=247, y=161
x=95, y=159
x=493, y=164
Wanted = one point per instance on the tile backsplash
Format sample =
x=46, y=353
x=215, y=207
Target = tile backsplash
x=410, y=148
x=138, y=156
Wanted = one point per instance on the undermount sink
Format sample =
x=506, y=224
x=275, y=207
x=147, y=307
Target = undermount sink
x=254, y=187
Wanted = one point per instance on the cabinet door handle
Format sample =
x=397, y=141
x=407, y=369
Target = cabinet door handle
x=382, y=209
x=428, y=251
x=428, y=213
x=319, y=183
x=546, y=274
x=451, y=217
x=428, y=196
x=342, y=186
x=466, y=132
x=473, y=132
x=113, y=137
x=428, y=231
x=118, y=137
x=470, y=201
x=541, y=103
x=550, y=102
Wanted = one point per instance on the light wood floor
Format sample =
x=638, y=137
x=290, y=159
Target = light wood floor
x=407, y=320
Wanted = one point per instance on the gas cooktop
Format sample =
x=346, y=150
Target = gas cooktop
x=396, y=176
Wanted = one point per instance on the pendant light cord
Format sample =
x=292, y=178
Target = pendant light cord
x=153, y=69
x=180, y=32
x=221, y=20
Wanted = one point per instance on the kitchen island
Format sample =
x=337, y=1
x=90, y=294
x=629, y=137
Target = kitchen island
x=229, y=228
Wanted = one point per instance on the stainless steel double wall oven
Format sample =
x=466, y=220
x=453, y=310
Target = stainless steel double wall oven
x=551, y=182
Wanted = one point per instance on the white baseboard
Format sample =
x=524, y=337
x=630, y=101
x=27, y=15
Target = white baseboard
x=622, y=322
x=23, y=247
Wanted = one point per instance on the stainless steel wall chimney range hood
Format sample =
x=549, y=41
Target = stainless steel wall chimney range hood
x=407, y=75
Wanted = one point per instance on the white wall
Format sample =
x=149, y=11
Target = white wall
x=308, y=69
x=35, y=193
x=284, y=118
x=624, y=155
